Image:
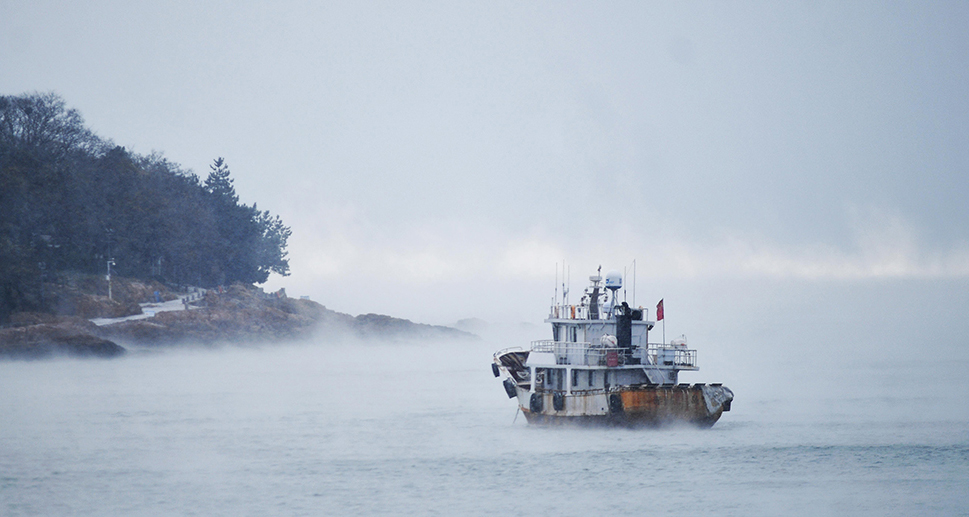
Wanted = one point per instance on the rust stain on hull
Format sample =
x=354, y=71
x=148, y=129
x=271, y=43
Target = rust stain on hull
x=665, y=405
x=637, y=407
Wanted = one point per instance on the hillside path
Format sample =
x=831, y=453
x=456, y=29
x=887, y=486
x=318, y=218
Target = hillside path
x=148, y=310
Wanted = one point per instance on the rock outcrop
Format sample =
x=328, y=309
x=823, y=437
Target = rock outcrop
x=246, y=314
x=42, y=335
x=238, y=314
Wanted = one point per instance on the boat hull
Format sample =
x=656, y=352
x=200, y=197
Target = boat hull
x=631, y=406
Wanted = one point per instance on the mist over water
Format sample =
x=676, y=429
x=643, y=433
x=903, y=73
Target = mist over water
x=435, y=161
x=836, y=413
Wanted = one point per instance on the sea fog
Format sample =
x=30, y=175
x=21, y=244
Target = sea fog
x=850, y=399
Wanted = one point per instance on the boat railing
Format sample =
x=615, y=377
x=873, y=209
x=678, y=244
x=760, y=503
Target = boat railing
x=665, y=354
x=574, y=312
x=585, y=354
x=580, y=354
x=579, y=312
x=504, y=351
x=544, y=345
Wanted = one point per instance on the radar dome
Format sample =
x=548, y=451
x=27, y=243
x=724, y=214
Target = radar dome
x=613, y=280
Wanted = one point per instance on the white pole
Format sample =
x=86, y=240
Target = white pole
x=625, y=280
x=110, y=262
x=565, y=292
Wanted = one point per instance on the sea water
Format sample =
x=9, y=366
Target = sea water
x=338, y=426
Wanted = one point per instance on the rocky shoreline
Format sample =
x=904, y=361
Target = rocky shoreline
x=239, y=314
x=58, y=335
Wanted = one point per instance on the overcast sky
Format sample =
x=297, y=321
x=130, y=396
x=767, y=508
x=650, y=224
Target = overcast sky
x=435, y=160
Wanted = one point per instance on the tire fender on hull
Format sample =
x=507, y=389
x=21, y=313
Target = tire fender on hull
x=615, y=403
x=535, y=403
x=558, y=401
x=510, y=388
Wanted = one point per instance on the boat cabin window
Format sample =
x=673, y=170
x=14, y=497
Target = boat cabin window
x=558, y=379
x=550, y=378
x=573, y=334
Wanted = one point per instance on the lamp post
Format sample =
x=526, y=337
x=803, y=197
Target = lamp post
x=110, y=263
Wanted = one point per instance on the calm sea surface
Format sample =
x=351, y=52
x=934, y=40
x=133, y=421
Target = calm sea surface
x=423, y=428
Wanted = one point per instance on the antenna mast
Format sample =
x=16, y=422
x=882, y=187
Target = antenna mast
x=624, y=277
x=569, y=283
x=565, y=290
x=556, y=297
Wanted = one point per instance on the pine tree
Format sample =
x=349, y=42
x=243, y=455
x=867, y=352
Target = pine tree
x=219, y=184
x=70, y=200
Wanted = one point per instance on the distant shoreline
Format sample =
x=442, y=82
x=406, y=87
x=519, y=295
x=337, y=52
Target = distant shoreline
x=237, y=314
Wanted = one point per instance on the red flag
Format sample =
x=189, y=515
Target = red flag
x=659, y=310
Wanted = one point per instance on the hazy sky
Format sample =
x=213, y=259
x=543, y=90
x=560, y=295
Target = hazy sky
x=435, y=160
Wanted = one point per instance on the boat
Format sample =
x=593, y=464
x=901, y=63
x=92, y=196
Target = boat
x=600, y=368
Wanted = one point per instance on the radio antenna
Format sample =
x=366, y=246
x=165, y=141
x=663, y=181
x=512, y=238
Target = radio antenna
x=565, y=290
x=556, y=283
x=569, y=283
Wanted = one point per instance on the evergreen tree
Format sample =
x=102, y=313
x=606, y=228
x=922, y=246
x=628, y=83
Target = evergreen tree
x=70, y=200
x=219, y=184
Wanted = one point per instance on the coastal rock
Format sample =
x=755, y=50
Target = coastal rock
x=224, y=319
x=55, y=336
x=238, y=314
x=246, y=314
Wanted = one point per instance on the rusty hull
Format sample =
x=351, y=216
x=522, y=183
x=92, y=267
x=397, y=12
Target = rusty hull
x=635, y=406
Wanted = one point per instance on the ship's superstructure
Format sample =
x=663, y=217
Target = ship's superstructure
x=599, y=367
